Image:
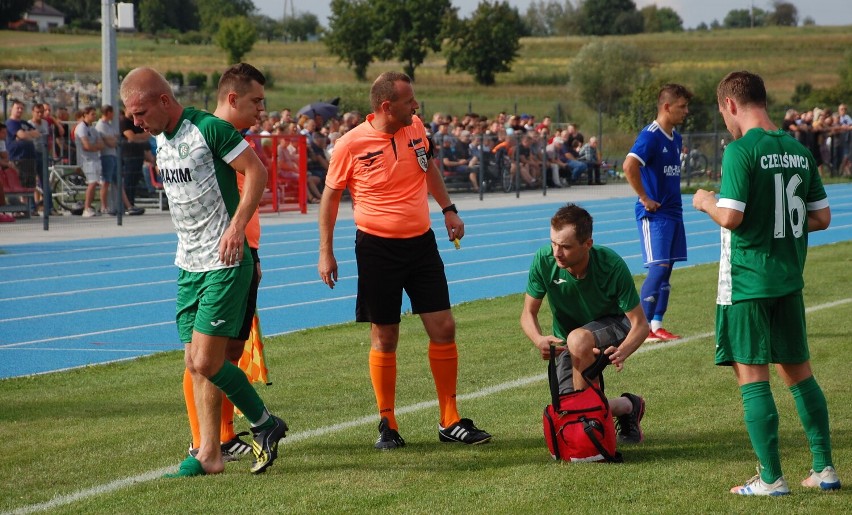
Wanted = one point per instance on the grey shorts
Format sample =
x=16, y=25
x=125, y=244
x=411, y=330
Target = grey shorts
x=608, y=331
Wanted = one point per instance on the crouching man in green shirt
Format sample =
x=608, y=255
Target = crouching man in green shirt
x=597, y=317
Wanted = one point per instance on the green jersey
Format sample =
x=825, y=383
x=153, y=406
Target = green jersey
x=772, y=179
x=607, y=288
x=200, y=185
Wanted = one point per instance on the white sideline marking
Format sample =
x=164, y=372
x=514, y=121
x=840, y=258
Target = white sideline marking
x=369, y=419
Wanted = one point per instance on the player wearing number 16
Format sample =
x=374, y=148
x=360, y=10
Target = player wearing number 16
x=771, y=198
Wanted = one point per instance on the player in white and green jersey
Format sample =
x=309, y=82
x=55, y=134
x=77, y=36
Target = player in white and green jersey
x=597, y=317
x=197, y=155
x=771, y=197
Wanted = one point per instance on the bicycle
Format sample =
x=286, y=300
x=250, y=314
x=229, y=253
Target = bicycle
x=695, y=164
x=68, y=187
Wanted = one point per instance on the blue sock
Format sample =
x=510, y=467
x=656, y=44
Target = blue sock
x=650, y=294
x=663, y=298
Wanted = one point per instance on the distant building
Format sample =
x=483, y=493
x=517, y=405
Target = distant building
x=45, y=16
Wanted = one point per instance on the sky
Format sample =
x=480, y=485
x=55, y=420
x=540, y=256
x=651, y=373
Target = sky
x=693, y=12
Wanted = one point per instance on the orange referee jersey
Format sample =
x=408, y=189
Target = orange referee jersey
x=253, y=226
x=386, y=176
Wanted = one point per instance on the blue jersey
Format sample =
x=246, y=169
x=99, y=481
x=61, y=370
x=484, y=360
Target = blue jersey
x=659, y=155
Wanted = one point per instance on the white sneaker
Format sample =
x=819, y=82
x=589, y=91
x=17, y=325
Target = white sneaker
x=825, y=480
x=89, y=212
x=756, y=486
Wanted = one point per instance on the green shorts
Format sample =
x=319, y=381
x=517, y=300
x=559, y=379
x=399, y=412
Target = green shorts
x=762, y=331
x=213, y=302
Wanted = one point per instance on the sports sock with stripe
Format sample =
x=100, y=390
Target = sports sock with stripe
x=233, y=381
x=383, y=377
x=813, y=412
x=761, y=420
x=444, y=362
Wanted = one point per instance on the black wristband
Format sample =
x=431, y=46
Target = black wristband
x=451, y=207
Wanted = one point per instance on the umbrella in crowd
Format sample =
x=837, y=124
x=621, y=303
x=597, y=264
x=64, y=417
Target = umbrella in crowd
x=324, y=109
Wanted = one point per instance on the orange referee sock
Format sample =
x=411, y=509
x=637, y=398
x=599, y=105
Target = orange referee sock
x=227, y=417
x=444, y=362
x=383, y=377
x=189, y=398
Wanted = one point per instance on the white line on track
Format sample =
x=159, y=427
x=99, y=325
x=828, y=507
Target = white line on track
x=151, y=475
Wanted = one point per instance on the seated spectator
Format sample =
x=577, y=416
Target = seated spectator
x=317, y=166
x=528, y=159
x=589, y=155
x=452, y=163
x=464, y=150
x=559, y=172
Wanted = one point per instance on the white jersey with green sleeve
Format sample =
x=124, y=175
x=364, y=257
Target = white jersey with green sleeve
x=606, y=290
x=772, y=179
x=200, y=185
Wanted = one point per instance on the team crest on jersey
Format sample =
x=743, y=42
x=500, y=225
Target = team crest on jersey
x=421, y=158
x=183, y=150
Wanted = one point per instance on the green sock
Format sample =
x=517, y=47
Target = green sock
x=813, y=412
x=233, y=381
x=761, y=420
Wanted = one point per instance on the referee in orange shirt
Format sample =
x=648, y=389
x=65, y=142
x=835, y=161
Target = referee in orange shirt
x=387, y=164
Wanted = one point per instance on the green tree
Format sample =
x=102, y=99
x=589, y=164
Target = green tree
x=267, y=28
x=158, y=15
x=348, y=36
x=661, y=19
x=784, y=14
x=302, y=27
x=744, y=18
x=212, y=12
x=408, y=29
x=603, y=17
x=605, y=71
x=80, y=13
x=550, y=18
x=236, y=36
x=487, y=43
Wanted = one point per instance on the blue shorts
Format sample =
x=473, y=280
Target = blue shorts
x=663, y=240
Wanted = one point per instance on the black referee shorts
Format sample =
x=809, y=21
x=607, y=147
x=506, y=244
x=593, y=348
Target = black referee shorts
x=387, y=266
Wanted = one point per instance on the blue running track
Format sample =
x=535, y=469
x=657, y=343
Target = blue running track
x=71, y=304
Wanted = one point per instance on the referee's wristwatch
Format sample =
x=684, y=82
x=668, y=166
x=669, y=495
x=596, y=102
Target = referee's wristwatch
x=451, y=207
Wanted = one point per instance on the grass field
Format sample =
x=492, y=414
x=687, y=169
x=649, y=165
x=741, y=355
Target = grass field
x=96, y=440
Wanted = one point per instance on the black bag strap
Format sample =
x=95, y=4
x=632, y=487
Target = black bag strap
x=591, y=433
x=554, y=382
x=552, y=379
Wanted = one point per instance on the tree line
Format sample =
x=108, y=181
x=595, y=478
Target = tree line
x=361, y=32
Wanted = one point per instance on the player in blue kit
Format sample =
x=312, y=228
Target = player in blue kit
x=652, y=168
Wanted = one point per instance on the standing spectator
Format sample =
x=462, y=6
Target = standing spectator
x=845, y=139
x=55, y=140
x=108, y=131
x=136, y=142
x=20, y=143
x=89, y=146
x=653, y=170
x=41, y=148
x=387, y=164
x=760, y=313
x=215, y=264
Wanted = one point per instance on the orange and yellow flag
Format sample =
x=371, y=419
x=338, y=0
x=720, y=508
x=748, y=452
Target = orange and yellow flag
x=252, y=362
